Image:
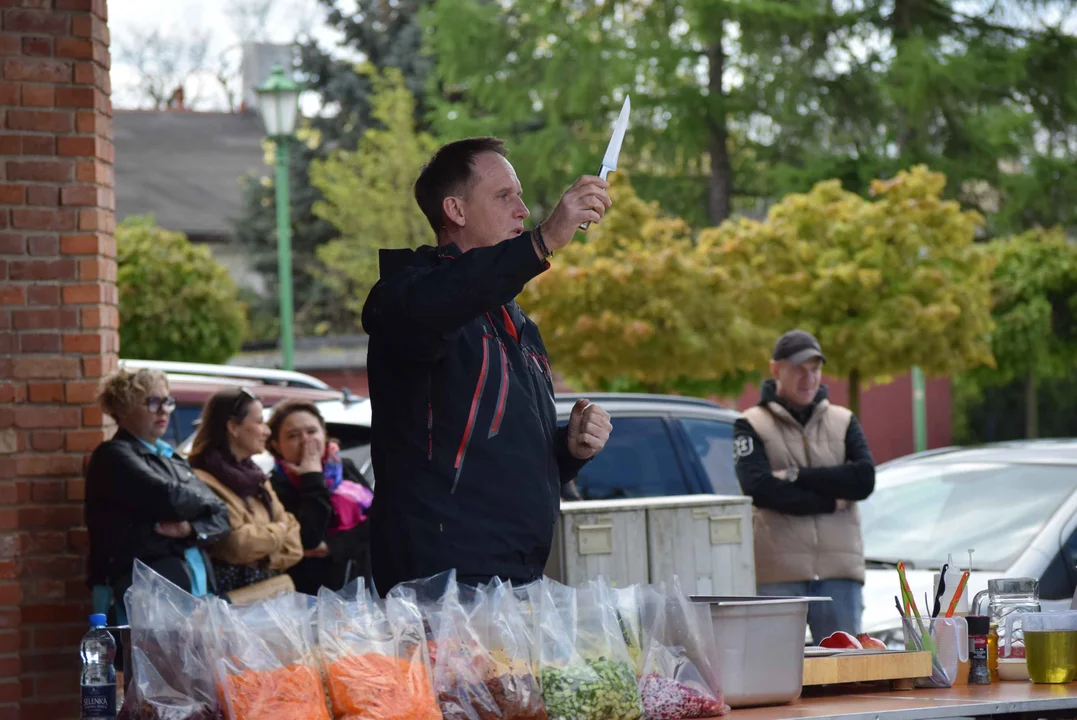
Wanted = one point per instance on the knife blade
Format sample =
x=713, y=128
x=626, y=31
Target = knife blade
x=613, y=150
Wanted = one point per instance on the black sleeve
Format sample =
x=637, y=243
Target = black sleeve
x=568, y=465
x=855, y=480
x=416, y=308
x=214, y=525
x=309, y=503
x=758, y=482
x=153, y=495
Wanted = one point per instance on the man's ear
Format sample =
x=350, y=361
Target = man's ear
x=774, y=369
x=453, y=209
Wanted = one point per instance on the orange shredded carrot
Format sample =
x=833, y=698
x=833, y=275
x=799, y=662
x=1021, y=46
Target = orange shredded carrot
x=379, y=687
x=288, y=693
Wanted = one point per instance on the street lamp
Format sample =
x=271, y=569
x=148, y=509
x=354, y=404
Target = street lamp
x=278, y=99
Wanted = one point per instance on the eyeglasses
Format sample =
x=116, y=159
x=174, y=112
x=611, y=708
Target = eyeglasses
x=156, y=404
x=245, y=397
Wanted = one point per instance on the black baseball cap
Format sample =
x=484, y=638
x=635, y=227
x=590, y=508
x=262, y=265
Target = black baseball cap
x=798, y=347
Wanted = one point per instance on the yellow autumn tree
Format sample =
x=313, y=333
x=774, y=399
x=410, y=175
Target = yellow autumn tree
x=368, y=192
x=636, y=300
x=885, y=283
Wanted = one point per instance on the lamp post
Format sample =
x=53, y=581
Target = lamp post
x=278, y=100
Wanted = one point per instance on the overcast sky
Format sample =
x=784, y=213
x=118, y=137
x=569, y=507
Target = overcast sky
x=178, y=21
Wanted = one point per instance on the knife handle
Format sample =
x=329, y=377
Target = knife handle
x=603, y=173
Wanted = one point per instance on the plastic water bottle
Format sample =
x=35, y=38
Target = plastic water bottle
x=98, y=672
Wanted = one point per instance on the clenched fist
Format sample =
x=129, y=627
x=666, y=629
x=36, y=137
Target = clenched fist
x=589, y=428
x=585, y=201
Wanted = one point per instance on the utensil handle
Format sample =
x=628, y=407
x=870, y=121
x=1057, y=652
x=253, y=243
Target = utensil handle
x=602, y=173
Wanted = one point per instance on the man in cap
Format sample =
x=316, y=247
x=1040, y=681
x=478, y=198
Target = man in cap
x=805, y=463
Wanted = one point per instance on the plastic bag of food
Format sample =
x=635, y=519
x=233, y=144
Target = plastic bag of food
x=457, y=619
x=463, y=664
x=508, y=633
x=375, y=655
x=172, y=675
x=584, y=667
x=265, y=662
x=678, y=679
x=626, y=603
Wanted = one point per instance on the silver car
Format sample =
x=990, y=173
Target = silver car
x=1014, y=504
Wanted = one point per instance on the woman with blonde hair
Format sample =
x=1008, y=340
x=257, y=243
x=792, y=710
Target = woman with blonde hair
x=143, y=501
x=265, y=540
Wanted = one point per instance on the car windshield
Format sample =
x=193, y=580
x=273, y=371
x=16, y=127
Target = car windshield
x=922, y=512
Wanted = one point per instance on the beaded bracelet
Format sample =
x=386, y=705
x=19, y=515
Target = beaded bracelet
x=542, y=243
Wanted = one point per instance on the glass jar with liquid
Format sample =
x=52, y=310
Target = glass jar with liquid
x=1050, y=645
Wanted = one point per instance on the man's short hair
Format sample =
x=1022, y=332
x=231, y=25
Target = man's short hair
x=448, y=173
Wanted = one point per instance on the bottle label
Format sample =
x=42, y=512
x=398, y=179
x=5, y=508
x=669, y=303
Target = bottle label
x=99, y=701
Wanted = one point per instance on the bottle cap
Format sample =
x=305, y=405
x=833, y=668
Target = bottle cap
x=979, y=625
x=98, y=620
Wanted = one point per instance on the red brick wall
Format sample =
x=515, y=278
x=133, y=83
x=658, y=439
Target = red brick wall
x=58, y=336
x=886, y=413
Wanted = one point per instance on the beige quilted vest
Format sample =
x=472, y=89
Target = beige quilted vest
x=797, y=548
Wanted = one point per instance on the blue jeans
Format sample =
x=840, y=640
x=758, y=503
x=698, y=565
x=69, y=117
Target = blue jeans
x=825, y=618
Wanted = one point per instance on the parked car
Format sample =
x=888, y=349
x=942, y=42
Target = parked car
x=192, y=391
x=194, y=383
x=1014, y=503
x=660, y=445
x=260, y=376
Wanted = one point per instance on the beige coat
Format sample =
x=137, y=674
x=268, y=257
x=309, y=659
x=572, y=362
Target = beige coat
x=798, y=548
x=254, y=537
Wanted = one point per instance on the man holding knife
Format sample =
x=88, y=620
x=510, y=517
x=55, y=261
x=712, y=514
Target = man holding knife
x=468, y=459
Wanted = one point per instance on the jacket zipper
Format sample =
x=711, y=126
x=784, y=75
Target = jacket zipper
x=476, y=399
x=429, y=419
x=502, y=393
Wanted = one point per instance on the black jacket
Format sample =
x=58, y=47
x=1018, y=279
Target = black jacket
x=129, y=489
x=349, y=551
x=466, y=451
x=816, y=489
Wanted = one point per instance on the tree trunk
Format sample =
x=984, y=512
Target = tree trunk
x=854, y=392
x=1032, y=407
x=720, y=191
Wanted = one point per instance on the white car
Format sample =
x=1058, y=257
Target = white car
x=1014, y=504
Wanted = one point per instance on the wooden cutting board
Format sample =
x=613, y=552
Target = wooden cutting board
x=860, y=667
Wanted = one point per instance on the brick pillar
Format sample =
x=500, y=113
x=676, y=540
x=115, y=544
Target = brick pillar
x=58, y=336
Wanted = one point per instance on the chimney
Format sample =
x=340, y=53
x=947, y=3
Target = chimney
x=175, y=102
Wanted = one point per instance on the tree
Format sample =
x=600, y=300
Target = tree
x=165, y=62
x=367, y=192
x=637, y=302
x=550, y=77
x=741, y=101
x=885, y=284
x=384, y=35
x=176, y=301
x=1034, y=289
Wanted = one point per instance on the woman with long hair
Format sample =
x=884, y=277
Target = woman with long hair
x=265, y=540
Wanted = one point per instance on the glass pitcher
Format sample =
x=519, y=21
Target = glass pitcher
x=1050, y=645
x=1007, y=596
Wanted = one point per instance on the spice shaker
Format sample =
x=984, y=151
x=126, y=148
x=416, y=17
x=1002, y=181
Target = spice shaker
x=979, y=629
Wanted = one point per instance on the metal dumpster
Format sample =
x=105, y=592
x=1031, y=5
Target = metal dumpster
x=706, y=540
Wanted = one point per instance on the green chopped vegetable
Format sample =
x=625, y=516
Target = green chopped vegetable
x=592, y=690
